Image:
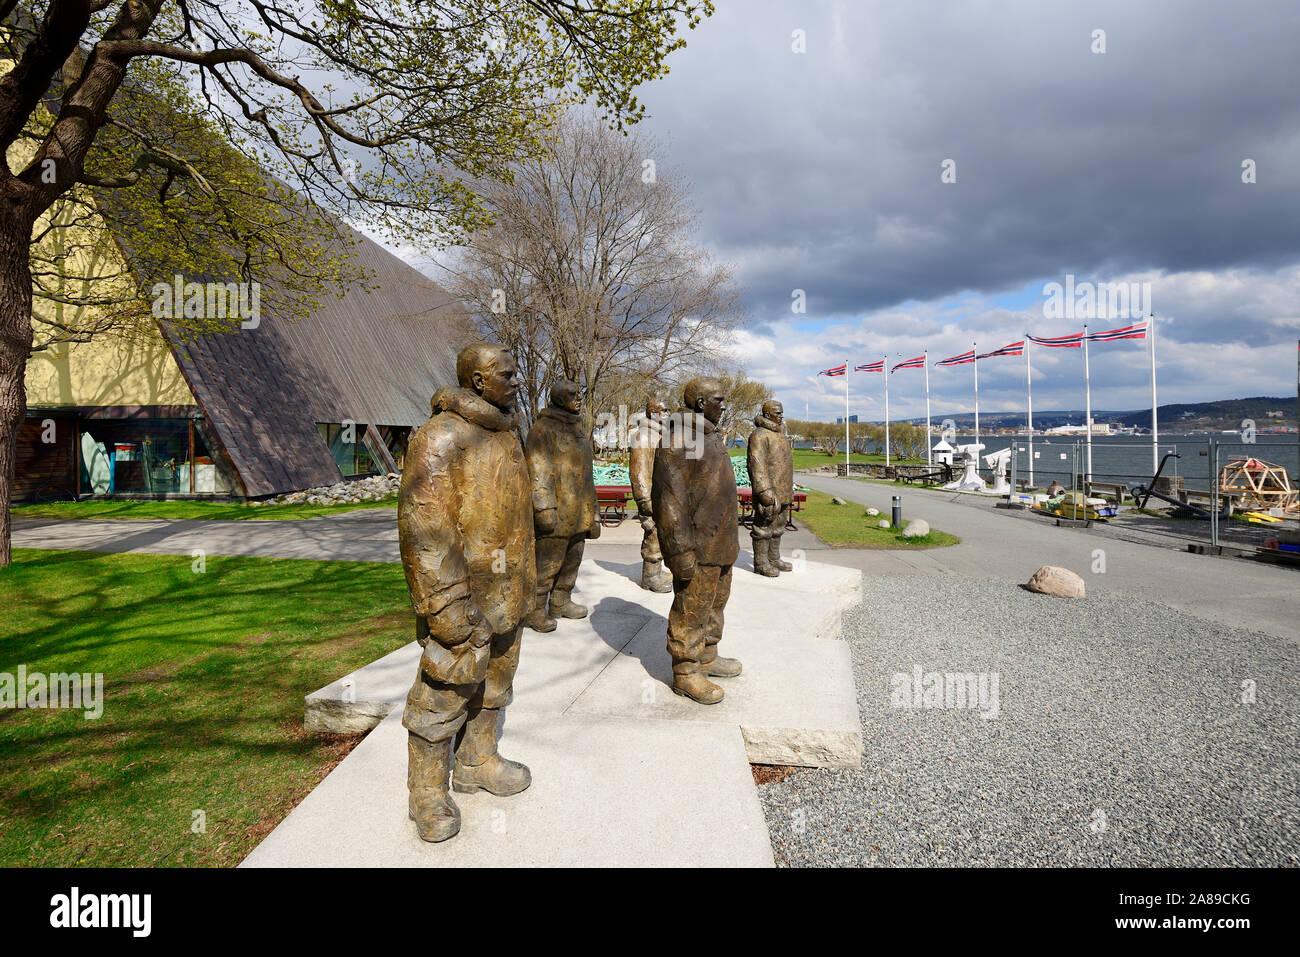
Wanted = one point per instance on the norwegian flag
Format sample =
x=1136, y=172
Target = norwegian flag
x=1138, y=331
x=1015, y=349
x=957, y=360
x=871, y=367
x=1073, y=341
x=917, y=363
x=838, y=370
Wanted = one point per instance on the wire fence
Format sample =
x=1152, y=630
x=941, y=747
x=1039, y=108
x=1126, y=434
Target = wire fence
x=1189, y=474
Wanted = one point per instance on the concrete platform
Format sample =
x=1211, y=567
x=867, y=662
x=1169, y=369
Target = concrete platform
x=605, y=793
x=795, y=703
x=625, y=773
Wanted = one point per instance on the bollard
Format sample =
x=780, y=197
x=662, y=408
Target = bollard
x=898, y=511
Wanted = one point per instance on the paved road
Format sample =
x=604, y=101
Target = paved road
x=1010, y=546
x=996, y=544
x=364, y=535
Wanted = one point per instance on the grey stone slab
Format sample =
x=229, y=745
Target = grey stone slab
x=606, y=792
x=795, y=702
x=625, y=773
x=555, y=668
x=360, y=700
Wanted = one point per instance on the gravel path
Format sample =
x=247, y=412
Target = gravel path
x=1121, y=738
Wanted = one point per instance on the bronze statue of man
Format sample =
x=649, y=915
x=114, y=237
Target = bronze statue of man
x=641, y=464
x=564, y=503
x=694, y=502
x=770, y=458
x=466, y=533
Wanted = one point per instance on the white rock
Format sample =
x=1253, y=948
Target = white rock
x=883, y=523
x=1058, y=582
x=873, y=512
x=917, y=528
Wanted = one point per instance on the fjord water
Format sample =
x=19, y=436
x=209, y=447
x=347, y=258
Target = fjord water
x=1126, y=459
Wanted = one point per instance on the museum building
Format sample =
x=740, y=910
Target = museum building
x=266, y=408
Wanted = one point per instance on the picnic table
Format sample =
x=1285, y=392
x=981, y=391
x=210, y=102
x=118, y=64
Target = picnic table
x=611, y=504
x=612, y=510
x=746, y=496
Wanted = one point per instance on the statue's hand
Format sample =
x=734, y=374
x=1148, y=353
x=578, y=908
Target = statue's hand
x=647, y=524
x=767, y=497
x=594, y=530
x=686, y=566
x=545, y=521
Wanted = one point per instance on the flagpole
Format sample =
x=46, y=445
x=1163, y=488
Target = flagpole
x=884, y=367
x=848, y=472
x=1155, y=429
x=929, y=453
x=1029, y=394
x=975, y=351
x=1087, y=403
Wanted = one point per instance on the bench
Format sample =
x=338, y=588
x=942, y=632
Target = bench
x=746, y=498
x=611, y=504
x=1114, y=489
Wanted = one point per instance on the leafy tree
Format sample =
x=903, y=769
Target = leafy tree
x=428, y=95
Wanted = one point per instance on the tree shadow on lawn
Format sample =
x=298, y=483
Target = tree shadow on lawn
x=205, y=715
x=125, y=612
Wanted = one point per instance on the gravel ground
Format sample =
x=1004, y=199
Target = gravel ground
x=1121, y=738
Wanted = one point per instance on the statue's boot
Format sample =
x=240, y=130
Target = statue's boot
x=716, y=666
x=689, y=682
x=761, y=564
x=563, y=606
x=774, y=555
x=428, y=771
x=538, y=619
x=654, y=578
x=478, y=765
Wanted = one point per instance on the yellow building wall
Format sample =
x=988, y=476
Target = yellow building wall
x=108, y=370
x=129, y=363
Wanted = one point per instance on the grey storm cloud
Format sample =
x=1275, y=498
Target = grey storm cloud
x=821, y=170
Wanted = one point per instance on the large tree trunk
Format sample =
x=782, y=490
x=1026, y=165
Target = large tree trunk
x=15, y=346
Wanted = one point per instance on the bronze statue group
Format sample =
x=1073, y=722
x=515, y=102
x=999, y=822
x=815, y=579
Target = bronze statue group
x=492, y=536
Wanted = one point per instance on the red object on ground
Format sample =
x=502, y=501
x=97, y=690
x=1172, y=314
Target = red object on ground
x=611, y=503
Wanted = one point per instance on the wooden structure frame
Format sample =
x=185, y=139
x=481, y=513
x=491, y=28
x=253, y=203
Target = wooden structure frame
x=1259, y=484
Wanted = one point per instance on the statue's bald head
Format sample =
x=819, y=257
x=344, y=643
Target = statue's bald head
x=567, y=394
x=698, y=389
x=488, y=369
x=706, y=395
x=478, y=357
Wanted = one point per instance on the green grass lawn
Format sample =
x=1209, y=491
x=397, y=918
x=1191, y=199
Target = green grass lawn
x=811, y=459
x=204, y=678
x=224, y=511
x=849, y=525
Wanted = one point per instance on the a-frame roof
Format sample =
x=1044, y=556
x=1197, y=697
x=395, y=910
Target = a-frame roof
x=369, y=357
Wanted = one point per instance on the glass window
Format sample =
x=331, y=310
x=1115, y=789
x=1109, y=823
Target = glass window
x=140, y=456
x=348, y=447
